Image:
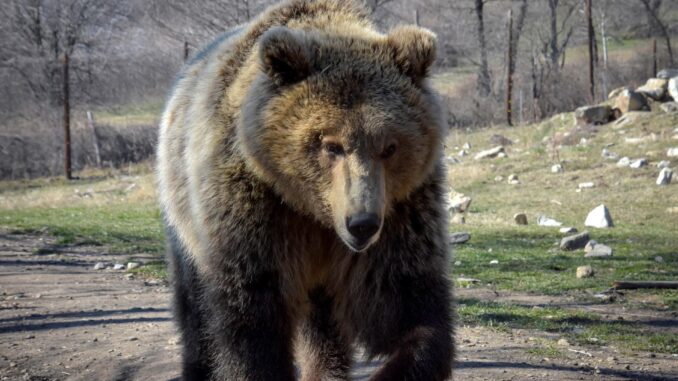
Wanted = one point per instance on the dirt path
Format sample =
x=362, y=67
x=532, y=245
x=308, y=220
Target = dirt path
x=62, y=320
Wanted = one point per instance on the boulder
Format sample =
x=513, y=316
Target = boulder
x=574, y=242
x=630, y=101
x=489, y=153
x=669, y=107
x=584, y=272
x=654, y=88
x=459, y=238
x=616, y=92
x=673, y=88
x=520, y=219
x=665, y=176
x=592, y=115
x=663, y=164
x=133, y=265
x=599, y=217
x=667, y=73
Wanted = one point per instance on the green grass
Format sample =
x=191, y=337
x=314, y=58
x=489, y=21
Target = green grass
x=582, y=328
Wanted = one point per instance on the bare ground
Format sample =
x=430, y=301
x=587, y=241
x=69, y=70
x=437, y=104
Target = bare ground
x=62, y=320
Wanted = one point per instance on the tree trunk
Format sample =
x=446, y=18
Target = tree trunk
x=483, y=83
x=553, y=10
x=67, y=116
x=509, y=77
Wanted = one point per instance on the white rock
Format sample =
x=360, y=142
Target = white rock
x=501, y=155
x=568, y=230
x=584, y=272
x=492, y=152
x=659, y=259
x=459, y=202
x=590, y=245
x=457, y=263
x=587, y=185
x=557, y=168
x=639, y=163
x=663, y=164
x=133, y=265
x=654, y=88
x=547, y=221
x=609, y=155
x=494, y=262
x=599, y=250
x=563, y=343
x=499, y=179
x=467, y=146
x=462, y=153
x=672, y=152
x=673, y=88
x=513, y=179
x=624, y=162
x=99, y=266
x=599, y=217
x=451, y=160
x=665, y=176
x=118, y=266
x=459, y=238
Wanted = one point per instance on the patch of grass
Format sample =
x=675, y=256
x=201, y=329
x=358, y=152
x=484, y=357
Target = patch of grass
x=152, y=270
x=583, y=328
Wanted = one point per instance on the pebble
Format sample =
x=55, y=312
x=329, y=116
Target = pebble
x=118, y=266
x=499, y=179
x=133, y=265
x=557, y=168
x=563, y=343
x=467, y=146
x=672, y=152
x=99, y=266
x=494, y=262
x=599, y=251
x=547, y=221
x=663, y=164
x=459, y=202
x=459, y=238
x=513, y=179
x=659, y=259
x=587, y=185
x=520, y=218
x=584, y=272
x=624, y=162
x=639, y=163
x=457, y=263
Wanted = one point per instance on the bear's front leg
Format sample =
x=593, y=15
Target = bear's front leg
x=424, y=348
x=249, y=327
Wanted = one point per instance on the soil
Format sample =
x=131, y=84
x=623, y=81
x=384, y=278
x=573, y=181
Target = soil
x=62, y=320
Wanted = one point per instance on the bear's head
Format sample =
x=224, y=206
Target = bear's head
x=343, y=126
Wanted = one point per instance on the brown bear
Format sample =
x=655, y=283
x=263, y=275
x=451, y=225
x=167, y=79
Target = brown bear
x=302, y=186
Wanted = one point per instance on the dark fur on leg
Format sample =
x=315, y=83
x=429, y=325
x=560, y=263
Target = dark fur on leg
x=327, y=353
x=189, y=317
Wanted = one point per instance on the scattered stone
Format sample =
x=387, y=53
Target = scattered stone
x=663, y=164
x=599, y=250
x=499, y=179
x=99, y=266
x=133, y=338
x=451, y=160
x=133, y=265
x=667, y=73
x=462, y=153
x=592, y=115
x=669, y=107
x=672, y=152
x=574, y=242
x=630, y=101
x=584, y=272
x=489, y=153
x=639, y=163
x=520, y=219
x=118, y=266
x=547, y=221
x=568, y=230
x=502, y=155
x=599, y=217
x=557, y=168
x=494, y=262
x=659, y=259
x=590, y=245
x=673, y=88
x=665, y=176
x=605, y=297
x=129, y=276
x=513, y=179
x=624, y=162
x=499, y=140
x=459, y=202
x=459, y=238
x=609, y=155
x=467, y=146
x=458, y=219
x=654, y=88
x=173, y=340
x=587, y=185
x=563, y=343
x=457, y=263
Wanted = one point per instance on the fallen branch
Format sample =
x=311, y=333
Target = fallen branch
x=580, y=352
x=633, y=285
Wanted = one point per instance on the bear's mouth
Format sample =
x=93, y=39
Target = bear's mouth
x=355, y=244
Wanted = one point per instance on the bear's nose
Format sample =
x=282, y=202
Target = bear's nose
x=363, y=226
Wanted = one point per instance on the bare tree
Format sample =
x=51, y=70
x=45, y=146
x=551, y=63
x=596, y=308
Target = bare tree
x=652, y=8
x=483, y=84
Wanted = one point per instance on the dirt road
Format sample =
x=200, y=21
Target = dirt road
x=62, y=320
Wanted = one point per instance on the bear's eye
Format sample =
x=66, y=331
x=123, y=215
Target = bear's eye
x=389, y=151
x=333, y=148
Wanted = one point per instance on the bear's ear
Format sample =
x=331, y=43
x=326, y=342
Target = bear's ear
x=414, y=50
x=285, y=56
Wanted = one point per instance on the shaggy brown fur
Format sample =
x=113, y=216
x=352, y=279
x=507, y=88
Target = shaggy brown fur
x=301, y=182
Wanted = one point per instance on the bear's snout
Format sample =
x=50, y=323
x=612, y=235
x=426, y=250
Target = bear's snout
x=363, y=226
